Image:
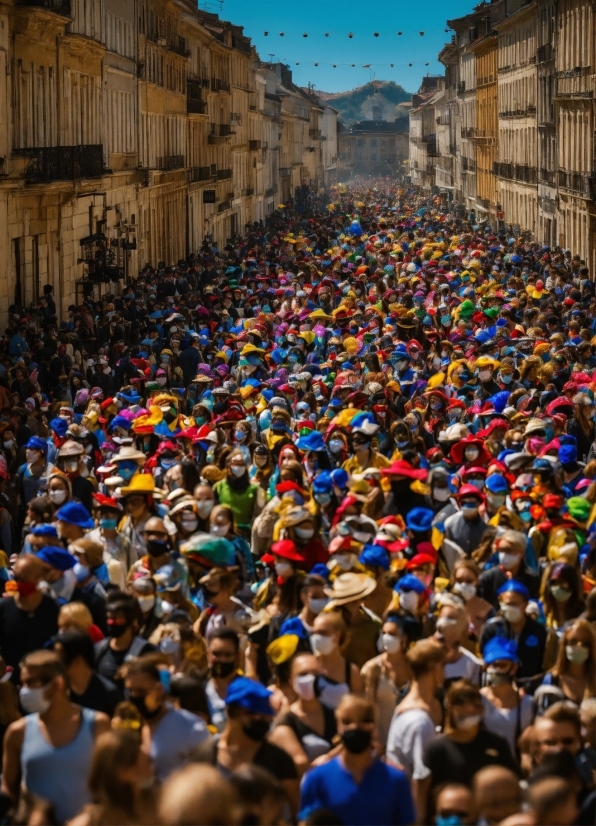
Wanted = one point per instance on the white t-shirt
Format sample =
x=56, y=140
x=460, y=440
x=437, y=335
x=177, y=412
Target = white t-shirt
x=409, y=736
x=467, y=667
x=173, y=740
x=503, y=721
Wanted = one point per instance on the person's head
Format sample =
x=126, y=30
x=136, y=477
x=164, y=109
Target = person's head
x=454, y=803
x=144, y=686
x=205, y=499
x=75, y=648
x=394, y=637
x=497, y=793
x=188, y=692
x=156, y=536
x=312, y=593
x=123, y=614
x=144, y=589
x=558, y=729
x=221, y=521
x=510, y=547
x=577, y=647
x=464, y=580
x=248, y=707
x=237, y=467
x=553, y=800
x=587, y=713
x=513, y=601
x=197, y=795
x=304, y=671
x=464, y=707
x=222, y=652
x=28, y=572
x=425, y=660
x=44, y=681
x=355, y=719
x=120, y=767
x=452, y=623
x=261, y=796
x=74, y=616
x=329, y=632
x=58, y=490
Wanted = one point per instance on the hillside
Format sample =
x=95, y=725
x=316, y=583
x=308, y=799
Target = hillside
x=377, y=100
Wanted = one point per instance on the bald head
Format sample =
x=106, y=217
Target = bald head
x=28, y=568
x=199, y=795
x=497, y=793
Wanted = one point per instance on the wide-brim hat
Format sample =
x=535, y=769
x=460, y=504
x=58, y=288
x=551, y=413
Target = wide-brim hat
x=128, y=453
x=142, y=483
x=350, y=587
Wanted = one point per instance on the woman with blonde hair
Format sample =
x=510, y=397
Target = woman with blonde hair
x=338, y=675
x=464, y=584
x=75, y=616
x=574, y=671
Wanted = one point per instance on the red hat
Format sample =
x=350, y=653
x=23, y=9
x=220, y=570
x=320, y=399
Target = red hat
x=287, y=550
x=552, y=500
x=457, y=451
x=105, y=404
x=402, y=468
x=107, y=501
x=470, y=490
x=493, y=425
x=419, y=560
x=287, y=486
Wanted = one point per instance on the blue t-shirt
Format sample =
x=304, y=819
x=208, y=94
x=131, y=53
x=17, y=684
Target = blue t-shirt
x=383, y=797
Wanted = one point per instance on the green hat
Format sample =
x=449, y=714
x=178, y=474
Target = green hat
x=579, y=508
x=466, y=307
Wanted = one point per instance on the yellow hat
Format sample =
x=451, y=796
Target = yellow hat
x=486, y=361
x=435, y=381
x=220, y=354
x=250, y=348
x=281, y=649
x=140, y=483
x=151, y=419
x=308, y=336
x=319, y=314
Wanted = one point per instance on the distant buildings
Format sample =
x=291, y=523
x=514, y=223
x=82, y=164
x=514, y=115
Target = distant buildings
x=373, y=147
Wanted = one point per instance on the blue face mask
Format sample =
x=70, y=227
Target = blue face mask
x=451, y=820
x=507, y=378
x=239, y=435
x=81, y=572
x=402, y=445
x=167, y=463
x=108, y=524
x=446, y=320
x=127, y=469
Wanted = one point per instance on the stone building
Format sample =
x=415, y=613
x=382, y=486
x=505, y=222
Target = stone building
x=423, y=130
x=372, y=148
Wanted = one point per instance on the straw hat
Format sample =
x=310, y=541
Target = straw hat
x=350, y=587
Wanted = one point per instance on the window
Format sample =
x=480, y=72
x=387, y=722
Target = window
x=373, y=156
x=373, y=141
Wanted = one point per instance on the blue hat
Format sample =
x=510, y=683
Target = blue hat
x=375, y=556
x=130, y=398
x=320, y=569
x=59, y=426
x=401, y=352
x=335, y=402
x=312, y=441
x=322, y=483
x=516, y=587
x=419, y=520
x=35, y=443
x=56, y=557
x=120, y=421
x=167, y=578
x=75, y=514
x=495, y=483
x=295, y=626
x=44, y=530
x=499, y=648
x=409, y=583
x=340, y=477
x=567, y=454
x=250, y=695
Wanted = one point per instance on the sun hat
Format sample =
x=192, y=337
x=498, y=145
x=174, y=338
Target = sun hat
x=350, y=587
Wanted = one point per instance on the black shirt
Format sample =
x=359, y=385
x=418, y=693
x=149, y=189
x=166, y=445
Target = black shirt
x=100, y=695
x=530, y=644
x=452, y=762
x=268, y=756
x=108, y=661
x=22, y=632
x=490, y=581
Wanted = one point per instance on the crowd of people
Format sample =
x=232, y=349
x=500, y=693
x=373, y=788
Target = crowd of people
x=304, y=531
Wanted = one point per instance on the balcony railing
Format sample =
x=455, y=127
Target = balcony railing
x=468, y=165
x=218, y=85
x=199, y=173
x=64, y=163
x=516, y=172
x=218, y=132
x=545, y=53
x=224, y=174
x=468, y=132
x=169, y=162
x=61, y=7
x=178, y=45
x=221, y=207
x=254, y=145
x=583, y=183
x=269, y=192
x=195, y=106
x=547, y=176
x=248, y=191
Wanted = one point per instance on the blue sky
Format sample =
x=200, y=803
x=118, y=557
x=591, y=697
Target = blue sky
x=339, y=17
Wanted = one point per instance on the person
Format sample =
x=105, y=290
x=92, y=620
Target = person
x=174, y=732
x=120, y=782
x=413, y=727
x=237, y=491
x=76, y=616
x=223, y=655
x=466, y=746
x=198, y=795
x=355, y=785
x=347, y=596
x=307, y=729
x=48, y=752
x=338, y=676
x=454, y=803
x=123, y=641
x=464, y=584
x=553, y=802
x=451, y=629
x=243, y=739
x=510, y=547
x=574, y=672
x=497, y=794
x=87, y=688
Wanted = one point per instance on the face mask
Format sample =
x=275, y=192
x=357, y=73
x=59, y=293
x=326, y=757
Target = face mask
x=81, y=572
x=478, y=483
x=304, y=533
x=26, y=589
x=223, y=670
x=469, y=511
x=170, y=646
x=323, y=498
x=146, y=603
x=316, y=604
x=497, y=678
x=283, y=569
x=167, y=463
x=336, y=445
x=409, y=601
x=304, y=686
x=436, y=362
x=189, y=524
x=108, y=524
x=559, y=593
x=220, y=530
x=167, y=607
x=484, y=375
x=57, y=496
x=256, y=730
x=362, y=536
x=576, y=654
x=8, y=445
x=239, y=435
x=466, y=590
x=506, y=378
x=471, y=453
x=204, y=507
x=321, y=644
x=32, y=456
x=496, y=500
x=508, y=561
x=441, y=494
x=356, y=740
x=344, y=561
x=34, y=700
x=435, y=406
x=512, y=613
x=467, y=723
x=450, y=820
x=116, y=629
x=127, y=470
x=141, y=705
x=238, y=470
x=157, y=547
x=389, y=643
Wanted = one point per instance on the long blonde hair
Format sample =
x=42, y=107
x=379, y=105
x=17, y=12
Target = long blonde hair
x=561, y=665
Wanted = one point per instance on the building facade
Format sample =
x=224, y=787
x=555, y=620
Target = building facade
x=372, y=147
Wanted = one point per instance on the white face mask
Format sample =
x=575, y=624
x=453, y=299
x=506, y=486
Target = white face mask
x=344, y=561
x=238, y=470
x=441, y=494
x=466, y=590
x=304, y=686
x=146, y=603
x=189, y=523
x=576, y=654
x=512, y=613
x=471, y=453
x=362, y=536
x=283, y=569
x=507, y=560
x=8, y=445
x=409, y=601
x=484, y=375
x=496, y=500
x=316, y=604
x=321, y=644
x=32, y=456
x=304, y=533
x=57, y=496
x=467, y=723
x=34, y=700
x=389, y=643
x=167, y=607
x=204, y=507
x=220, y=530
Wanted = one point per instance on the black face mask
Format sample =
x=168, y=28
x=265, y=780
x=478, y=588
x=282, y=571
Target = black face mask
x=257, y=729
x=117, y=630
x=356, y=740
x=141, y=706
x=221, y=669
x=157, y=547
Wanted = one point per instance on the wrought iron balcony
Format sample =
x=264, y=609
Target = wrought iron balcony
x=224, y=205
x=269, y=192
x=218, y=85
x=194, y=103
x=224, y=174
x=218, y=132
x=254, y=145
x=582, y=183
x=169, y=162
x=64, y=163
x=178, y=45
x=61, y=7
x=199, y=173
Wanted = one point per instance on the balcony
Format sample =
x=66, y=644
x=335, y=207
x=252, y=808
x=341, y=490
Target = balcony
x=194, y=103
x=314, y=133
x=468, y=132
x=574, y=83
x=199, y=173
x=461, y=87
x=516, y=172
x=581, y=183
x=254, y=145
x=547, y=176
x=219, y=132
x=64, y=163
x=224, y=174
x=248, y=192
x=221, y=207
x=169, y=162
x=61, y=7
x=178, y=44
x=545, y=53
x=218, y=85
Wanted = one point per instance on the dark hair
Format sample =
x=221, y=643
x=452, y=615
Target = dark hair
x=75, y=644
x=190, y=475
x=120, y=603
x=224, y=633
x=143, y=665
x=312, y=581
x=188, y=689
x=254, y=783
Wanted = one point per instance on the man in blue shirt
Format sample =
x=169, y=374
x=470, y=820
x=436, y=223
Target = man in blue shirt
x=356, y=786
